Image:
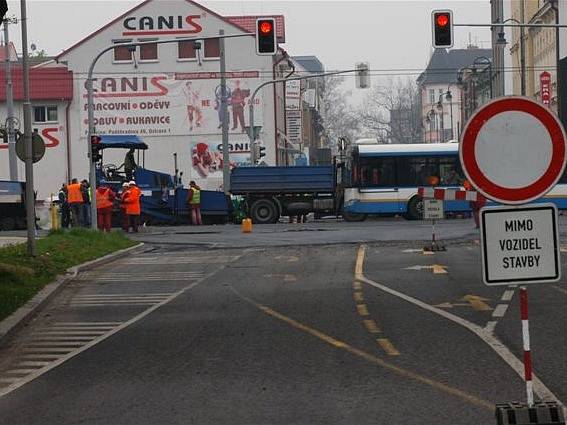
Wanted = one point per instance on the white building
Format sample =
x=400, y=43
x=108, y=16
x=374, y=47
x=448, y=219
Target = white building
x=168, y=94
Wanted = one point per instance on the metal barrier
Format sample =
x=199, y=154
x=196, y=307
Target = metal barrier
x=541, y=413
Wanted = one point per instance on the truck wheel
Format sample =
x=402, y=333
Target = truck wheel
x=264, y=211
x=415, y=208
x=353, y=218
x=8, y=223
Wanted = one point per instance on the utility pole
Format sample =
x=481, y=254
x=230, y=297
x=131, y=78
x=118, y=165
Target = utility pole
x=224, y=114
x=10, y=106
x=522, y=51
x=30, y=195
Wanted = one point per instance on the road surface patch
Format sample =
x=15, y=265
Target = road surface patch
x=499, y=348
x=463, y=395
x=49, y=344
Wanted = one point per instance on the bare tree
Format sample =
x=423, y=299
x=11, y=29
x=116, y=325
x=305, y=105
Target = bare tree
x=339, y=118
x=393, y=109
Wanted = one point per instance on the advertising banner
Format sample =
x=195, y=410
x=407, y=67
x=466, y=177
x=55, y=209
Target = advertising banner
x=171, y=104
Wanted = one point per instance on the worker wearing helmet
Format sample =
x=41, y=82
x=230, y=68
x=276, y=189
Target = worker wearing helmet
x=104, y=201
x=133, y=207
x=124, y=215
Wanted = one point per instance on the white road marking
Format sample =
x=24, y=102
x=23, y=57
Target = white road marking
x=56, y=344
x=33, y=364
x=504, y=352
x=490, y=326
x=44, y=350
x=508, y=294
x=500, y=310
x=20, y=371
x=86, y=324
x=62, y=338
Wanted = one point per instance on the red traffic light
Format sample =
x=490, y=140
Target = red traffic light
x=442, y=20
x=266, y=27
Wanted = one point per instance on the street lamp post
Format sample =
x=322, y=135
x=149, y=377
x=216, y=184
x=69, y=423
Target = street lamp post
x=441, y=119
x=502, y=40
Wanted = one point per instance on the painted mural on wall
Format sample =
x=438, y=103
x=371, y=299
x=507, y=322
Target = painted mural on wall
x=177, y=104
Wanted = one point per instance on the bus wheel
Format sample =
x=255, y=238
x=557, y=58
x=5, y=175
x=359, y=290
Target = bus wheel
x=353, y=218
x=415, y=208
x=264, y=211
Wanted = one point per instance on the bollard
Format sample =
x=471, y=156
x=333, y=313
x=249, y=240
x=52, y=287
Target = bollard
x=246, y=225
x=55, y=225
x=542, y=413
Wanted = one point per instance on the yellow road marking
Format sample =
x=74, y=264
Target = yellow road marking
x=477, y=303
x=438, y=269
x=359, y=262
x=358, y=297
x=371, y=358
x=388, y=347
x=357, y=285
x=362, y=310
x=371, y=326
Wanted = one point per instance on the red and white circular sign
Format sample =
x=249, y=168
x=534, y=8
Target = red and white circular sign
x=513, y=150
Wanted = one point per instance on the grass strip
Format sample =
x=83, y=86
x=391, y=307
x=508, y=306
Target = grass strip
x=21, y=277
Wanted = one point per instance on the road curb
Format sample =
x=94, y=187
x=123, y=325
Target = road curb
x=18, y=319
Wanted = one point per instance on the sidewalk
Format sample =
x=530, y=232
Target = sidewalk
x=11, y=240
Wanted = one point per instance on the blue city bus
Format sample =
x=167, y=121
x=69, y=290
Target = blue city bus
x=384, y=179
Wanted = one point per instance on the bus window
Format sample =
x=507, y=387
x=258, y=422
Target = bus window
x=415, y=171
x=450, y=171
x=381, y=172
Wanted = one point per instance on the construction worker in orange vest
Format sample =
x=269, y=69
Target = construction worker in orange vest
x=133, y=207
x=104, y=202
x=75, y=200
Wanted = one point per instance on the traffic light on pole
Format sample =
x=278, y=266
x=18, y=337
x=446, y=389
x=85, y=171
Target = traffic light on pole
x=96, y=154
x=266, y=43
x=442, y=21
x=261, y=152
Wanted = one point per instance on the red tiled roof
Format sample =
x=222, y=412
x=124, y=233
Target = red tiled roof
x=249, y=24
x=45, y=83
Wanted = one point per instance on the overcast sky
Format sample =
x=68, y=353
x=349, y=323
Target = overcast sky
x=390, y=35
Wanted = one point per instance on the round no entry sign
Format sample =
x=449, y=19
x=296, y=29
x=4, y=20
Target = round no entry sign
x=513, y=150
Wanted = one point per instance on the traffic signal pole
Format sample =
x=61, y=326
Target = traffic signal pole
x=90, y=102
x=30, y=193
x=224, y=113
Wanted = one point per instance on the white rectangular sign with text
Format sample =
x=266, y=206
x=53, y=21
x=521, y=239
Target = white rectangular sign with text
x=520, y=244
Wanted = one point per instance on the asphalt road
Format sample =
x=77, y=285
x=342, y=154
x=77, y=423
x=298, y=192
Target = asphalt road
x=341, y=333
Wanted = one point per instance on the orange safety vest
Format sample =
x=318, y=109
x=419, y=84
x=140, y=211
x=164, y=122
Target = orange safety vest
x=103, y=198
x=132, y=201
x=74, y=194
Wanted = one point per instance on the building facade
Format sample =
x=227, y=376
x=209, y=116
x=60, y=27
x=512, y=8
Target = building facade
x=169, y=94
x=441, y=91
x=540, y=51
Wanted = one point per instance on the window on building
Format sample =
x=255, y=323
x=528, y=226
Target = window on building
x=186, y=50
x=431, y=95
x=122, y=53
x=43, y=114
x=212, y=48
x=149, y=52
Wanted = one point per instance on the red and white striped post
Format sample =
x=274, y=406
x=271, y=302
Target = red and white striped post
x=526, y=340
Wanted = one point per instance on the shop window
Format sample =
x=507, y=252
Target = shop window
x=186, y=50
x=149, y=52
x=44, y=114
x=122, y=53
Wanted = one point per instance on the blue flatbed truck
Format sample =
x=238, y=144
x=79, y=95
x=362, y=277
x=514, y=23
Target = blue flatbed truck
x=272, y=192
x=12, y=205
